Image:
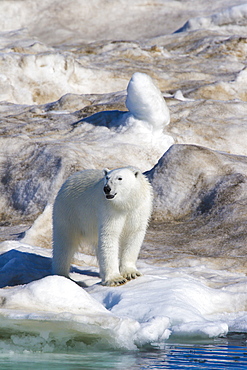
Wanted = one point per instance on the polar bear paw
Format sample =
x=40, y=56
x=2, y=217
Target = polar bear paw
x=115, y=281
x=131, y=274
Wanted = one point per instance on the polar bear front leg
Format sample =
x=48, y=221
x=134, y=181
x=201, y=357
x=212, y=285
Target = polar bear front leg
x=129, y=252
x=108, y=253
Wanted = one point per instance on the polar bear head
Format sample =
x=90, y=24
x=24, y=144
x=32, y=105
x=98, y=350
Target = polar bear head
x=119, y=183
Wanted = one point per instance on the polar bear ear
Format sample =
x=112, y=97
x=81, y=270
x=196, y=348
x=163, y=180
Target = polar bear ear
x=135, y=171
x=105, y=171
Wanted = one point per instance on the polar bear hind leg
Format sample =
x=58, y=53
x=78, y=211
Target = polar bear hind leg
x=64, y=247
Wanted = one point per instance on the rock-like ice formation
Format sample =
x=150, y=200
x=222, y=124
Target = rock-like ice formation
x=200, y=207
x=190, y=180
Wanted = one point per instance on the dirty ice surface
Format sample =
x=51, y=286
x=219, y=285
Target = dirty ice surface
x=77, y=93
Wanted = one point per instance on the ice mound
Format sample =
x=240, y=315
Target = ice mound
x=226, y=19
x=146, y=103
x=148, y=113
x=145, y=121
x=53, y=293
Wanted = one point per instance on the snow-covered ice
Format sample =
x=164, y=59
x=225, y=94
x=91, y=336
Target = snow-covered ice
x=108, y=85
x=163, y=304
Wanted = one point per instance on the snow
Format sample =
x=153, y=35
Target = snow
x=164, y=303
x=147, y=116
x=108, y=85
x=146, y=102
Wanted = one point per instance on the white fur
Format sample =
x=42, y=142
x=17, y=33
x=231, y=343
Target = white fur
x=83, y=214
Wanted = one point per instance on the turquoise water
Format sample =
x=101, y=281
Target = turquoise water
x=221, y=353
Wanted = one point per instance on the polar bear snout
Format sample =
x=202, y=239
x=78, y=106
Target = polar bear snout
x=107, y=191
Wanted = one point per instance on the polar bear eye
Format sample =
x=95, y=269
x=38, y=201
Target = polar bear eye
x=120, y=178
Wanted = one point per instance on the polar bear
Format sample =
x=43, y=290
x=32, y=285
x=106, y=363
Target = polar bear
x=107, y=209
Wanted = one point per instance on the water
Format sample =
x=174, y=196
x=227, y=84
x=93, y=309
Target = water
x=221, y=353
x=195, y=356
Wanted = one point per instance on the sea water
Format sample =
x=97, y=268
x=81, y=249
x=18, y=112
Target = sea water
x=227, y=353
